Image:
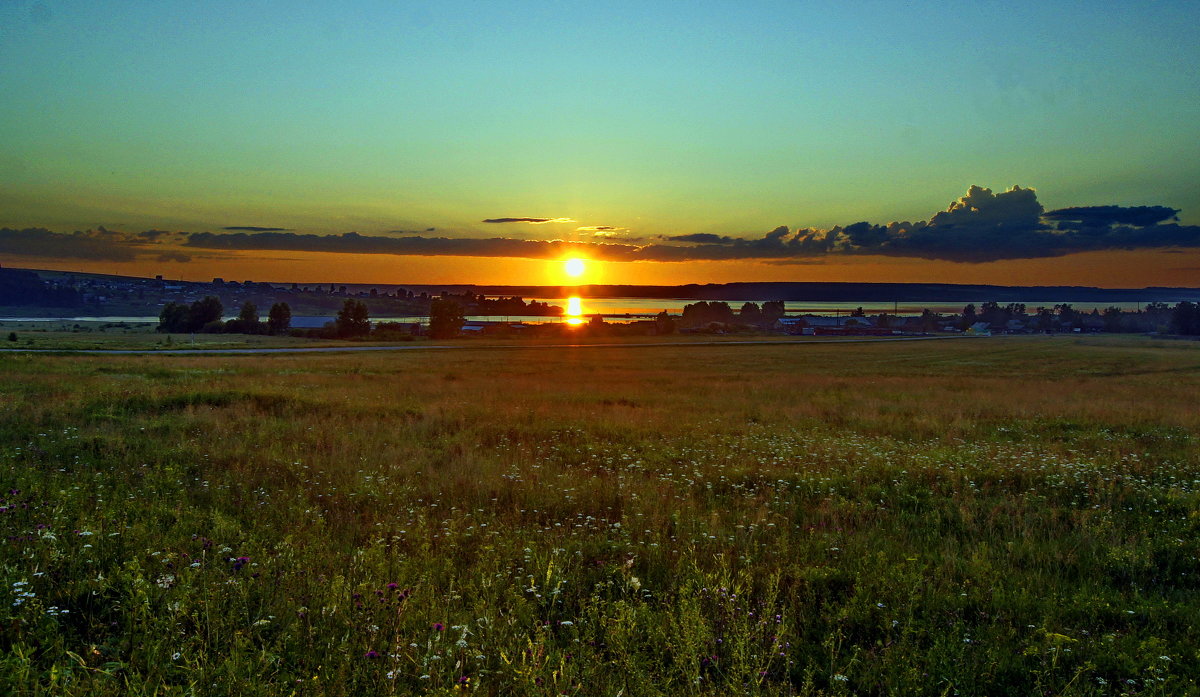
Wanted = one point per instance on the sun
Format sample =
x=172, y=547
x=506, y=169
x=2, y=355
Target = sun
x=574, y=267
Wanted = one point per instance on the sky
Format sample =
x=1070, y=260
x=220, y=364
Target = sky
x=1048, y=142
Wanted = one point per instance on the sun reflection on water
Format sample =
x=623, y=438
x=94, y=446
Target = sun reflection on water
x=574, y=311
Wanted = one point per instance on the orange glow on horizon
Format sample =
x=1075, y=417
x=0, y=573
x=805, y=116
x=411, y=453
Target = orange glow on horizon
x=1105, y=269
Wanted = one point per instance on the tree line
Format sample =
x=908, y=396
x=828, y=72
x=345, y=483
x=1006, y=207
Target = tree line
x=447, y=317
x=705, y=313
x=205, y=315
x=1154, y=317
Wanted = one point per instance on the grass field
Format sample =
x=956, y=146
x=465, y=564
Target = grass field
x=95, y=335
x=1004, y=516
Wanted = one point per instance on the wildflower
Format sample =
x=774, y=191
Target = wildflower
x=439, y=627
x=371, y=654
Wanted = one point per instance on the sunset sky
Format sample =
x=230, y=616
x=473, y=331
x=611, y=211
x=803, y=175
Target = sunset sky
x=667, y=142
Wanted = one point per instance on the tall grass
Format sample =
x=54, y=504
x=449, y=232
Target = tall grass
x=986, y=517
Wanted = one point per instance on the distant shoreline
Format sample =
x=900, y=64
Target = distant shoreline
x=741, y=291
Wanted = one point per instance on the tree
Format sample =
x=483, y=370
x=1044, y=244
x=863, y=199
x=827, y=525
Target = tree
x=993, y=314
x=249, y=313
x=702, y=313
x=664, y=323
x=173, y=318
x=750, y=313
x=1067, y=316
x=772, y=310
x=1045, y=320
x=353, y=319
x=279, y=320
x=1113, y=319
x=1185, y=319
x=203, y=313
x=445, y=319
x=247, y=321
x=968, y=317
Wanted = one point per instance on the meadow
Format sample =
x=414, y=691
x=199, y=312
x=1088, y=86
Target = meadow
x=86, y=335
x=961, y=517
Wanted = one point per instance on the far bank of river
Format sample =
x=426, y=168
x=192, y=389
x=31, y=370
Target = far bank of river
x=617, y=309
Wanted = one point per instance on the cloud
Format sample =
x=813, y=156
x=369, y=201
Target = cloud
x=154, y=235
x=702, y=237
x=773, y=245
x=608, y=232
x=99, y=244
x=255, y=228
x=535, y=221
x=354, y=243
x=981, y=226
x=1101, y=216
x=174, y=256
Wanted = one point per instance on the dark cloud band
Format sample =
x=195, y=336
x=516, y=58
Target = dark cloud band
x=98, y=245
x=535, y=221
x=981, y=226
